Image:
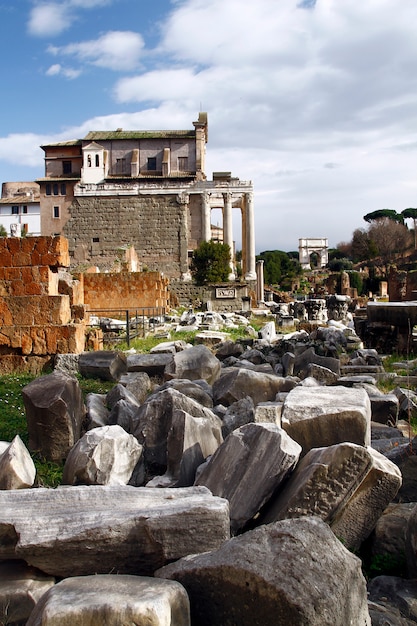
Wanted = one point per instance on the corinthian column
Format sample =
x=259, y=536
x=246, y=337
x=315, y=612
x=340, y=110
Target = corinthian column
x=228, y=229
x=206, y=217
x=250, y=237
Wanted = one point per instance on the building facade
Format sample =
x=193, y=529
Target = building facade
x=146, y=189
x=20, y=208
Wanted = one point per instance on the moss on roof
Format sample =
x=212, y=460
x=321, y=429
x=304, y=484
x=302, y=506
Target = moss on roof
x=102, y=135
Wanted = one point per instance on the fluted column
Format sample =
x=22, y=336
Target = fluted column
x=228, y=229
x=250, y=237
x=183, y=200
x=205, y=217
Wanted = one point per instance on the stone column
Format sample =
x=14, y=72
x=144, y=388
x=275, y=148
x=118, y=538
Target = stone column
x=228, y=230
x=205, y=217
x=260, y=295
x=250, y=237
x=183, y=200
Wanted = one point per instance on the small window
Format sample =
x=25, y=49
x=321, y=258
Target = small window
x=63, y=189
x=48, y=189
x=120, y=166
x=24, y=209
x=89, y=160
x=56, y=189
x=15, y=210
x=66, y=167
x=152, y=164
x=183, y=164
x=96, y=239
x=97, y=160
x=56, y=212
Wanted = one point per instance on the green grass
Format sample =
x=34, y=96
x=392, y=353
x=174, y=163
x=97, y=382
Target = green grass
x=13, y=420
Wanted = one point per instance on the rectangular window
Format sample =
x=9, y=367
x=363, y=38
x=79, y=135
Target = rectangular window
x=56, y=211
x=56, y=189
x=96, y=239
x=63, y=189
x=15, y=210
x=48, y=189
x=24, y=209
x=183, y=164
x=152, y=164
x=66, y=167
x=120, y=166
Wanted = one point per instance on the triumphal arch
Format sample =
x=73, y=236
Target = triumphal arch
x=308, y=246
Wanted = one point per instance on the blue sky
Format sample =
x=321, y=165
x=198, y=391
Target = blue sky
x=314, y=101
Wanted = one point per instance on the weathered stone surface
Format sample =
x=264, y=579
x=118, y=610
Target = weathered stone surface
x=329, y=415
x=228, y=348
x=411, y=543
x=238, y=383
x=269, y=412
x=75, y=531
x=268, y=332
x=293, y=572
x=103, y=456
x=323, y=375
x=151, y=364
x=304, y=359
x=355, y=521
x=67, y=363
x=103, y=364
x=385, y=408
x=321, y=483
x=154, y=420
x=195, y=363
x=248, y=467
x=17, y=470
x=395, y=593
x=97, y=413
x=387, y=541
x=170, y=347
x=383, y=615
x=237, y=414
x=198, y=390
x=21, y=587
x=110, y=599
x=54, y=414
x=138, y=383
x=120, y=392
x=190, y=441
x=405, y=457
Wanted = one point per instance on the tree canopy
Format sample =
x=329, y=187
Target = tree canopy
x=210, y=263
x=278, y=264
x=384, y=213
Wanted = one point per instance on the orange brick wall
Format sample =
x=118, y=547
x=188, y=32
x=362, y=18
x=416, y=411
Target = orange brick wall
x=125, y=290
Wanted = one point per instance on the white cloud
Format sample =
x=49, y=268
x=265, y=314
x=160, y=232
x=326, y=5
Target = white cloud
x=57, y=69
x=49, y=19
x=115, y=50
x=52, y=18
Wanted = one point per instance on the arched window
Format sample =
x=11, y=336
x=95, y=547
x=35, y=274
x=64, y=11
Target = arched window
x=89, y=160
x=97, y=160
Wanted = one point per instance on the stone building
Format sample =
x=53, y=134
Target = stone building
x=146, y=189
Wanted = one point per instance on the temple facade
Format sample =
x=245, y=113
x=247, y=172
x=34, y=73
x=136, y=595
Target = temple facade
x=146, y=189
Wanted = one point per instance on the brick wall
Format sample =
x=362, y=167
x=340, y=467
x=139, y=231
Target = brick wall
x=37, y=320
x=127, y=290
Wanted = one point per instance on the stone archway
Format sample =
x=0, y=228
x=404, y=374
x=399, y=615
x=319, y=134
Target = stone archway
x=306, y=247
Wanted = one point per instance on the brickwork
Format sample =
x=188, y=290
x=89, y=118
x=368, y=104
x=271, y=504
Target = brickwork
x=125, y=290
x=36, y=320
